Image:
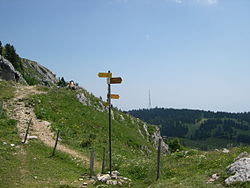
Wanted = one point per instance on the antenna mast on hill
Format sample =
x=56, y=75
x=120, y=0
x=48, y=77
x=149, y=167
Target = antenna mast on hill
x=149, y=99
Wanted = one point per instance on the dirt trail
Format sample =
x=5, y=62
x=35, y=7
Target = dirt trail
x=17, y=110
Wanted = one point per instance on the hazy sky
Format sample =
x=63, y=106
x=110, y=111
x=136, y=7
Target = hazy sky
x=189, y=53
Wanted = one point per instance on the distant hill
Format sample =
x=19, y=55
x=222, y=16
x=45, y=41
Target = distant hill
x=198, y=128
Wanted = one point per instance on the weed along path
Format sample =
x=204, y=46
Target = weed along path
x=16, y=109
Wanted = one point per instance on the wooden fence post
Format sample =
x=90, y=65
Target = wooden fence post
x=103, y=160
x=158, y=159
x=92, y=157
x=54, y=149
x=27, y=132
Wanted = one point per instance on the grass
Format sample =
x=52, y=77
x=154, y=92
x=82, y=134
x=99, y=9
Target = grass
x=82, y=128
x=29, y=165
x=193, y=169
x=7, y=90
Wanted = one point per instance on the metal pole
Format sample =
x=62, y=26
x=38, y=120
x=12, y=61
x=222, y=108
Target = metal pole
x=158, y=160
x=57, y=137
x=110, y=124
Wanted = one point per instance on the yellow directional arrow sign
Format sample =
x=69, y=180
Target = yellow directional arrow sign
x=105, y=75
x=116, y=80
x=114, y=96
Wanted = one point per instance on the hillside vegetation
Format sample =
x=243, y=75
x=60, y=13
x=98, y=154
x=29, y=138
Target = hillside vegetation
x=200, y=129
x=84, y=127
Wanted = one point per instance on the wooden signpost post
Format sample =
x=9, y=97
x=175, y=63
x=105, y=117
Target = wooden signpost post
x=110, y=80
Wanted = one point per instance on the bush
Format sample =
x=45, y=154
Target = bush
x=174, y=145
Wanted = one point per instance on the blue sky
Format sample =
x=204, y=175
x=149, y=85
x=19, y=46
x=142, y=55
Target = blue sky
x=189, y=53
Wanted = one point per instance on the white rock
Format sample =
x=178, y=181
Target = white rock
x=215, y=176
x=115, y=173
x=32, y=137
x=244, y=154
x=240, y=169
x=103, y=178
x=4, y=143
x=122, y=118
x=225, y=150
x=83, y=99
x=12, y=145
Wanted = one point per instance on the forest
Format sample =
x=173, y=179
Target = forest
x=199, y=125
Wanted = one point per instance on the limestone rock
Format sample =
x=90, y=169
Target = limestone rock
x=103, y=178
x=225, y=150
x=145, y=128
x=101, y=107
x=41, y=73
x=83, y=99
x=241, y=170
x=213, y=178
x=8, y=72
x=32, y=137
x=155, y=139
x=122, y=118
x=244, y=154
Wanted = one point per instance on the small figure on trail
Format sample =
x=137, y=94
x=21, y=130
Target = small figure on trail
x=72, y=85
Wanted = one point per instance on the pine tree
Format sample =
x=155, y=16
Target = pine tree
x=1, y=48
x=11, y=55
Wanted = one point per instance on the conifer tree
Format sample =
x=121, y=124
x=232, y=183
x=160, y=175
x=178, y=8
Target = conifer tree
x=11, y=55
x=1, y=48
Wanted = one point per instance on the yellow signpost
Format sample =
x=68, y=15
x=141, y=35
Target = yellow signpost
x=110, y=80
x=114, y=96
x=105, y=74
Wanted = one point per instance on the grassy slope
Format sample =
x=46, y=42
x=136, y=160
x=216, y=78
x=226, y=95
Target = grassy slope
x=83, y=127
x=29, y=165
x=193, y=169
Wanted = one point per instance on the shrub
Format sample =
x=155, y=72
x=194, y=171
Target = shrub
x=174, y=145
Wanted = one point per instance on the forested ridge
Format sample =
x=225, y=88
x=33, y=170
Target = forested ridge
x=199, y=125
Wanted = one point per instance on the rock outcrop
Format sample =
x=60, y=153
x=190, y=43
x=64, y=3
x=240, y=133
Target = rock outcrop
x=83, y=99
x=31, y=71
x=43, y=75
x=240, y=168
x=8, y=72
x=155, y=137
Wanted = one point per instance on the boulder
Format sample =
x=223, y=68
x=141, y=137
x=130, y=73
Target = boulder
x=240, y=170
x=225, y=150
x=103, y=178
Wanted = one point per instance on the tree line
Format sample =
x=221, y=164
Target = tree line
x=198, y=124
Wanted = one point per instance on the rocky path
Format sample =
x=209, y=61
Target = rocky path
x=16, y=109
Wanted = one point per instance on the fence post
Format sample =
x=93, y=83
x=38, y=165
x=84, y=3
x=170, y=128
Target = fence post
x=1, y=108
x=103, y=160
x=27, y=132
x=92, y=156
x=158, y=159
x=54, y=149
